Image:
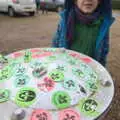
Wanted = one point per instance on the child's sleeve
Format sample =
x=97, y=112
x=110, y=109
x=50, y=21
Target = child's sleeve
x=55, y=40
x=105, y=50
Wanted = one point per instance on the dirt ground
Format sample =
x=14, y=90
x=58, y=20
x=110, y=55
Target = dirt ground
x=27, y=32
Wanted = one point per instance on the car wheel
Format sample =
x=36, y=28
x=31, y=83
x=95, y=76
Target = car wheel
x=59, y=9
x=11, y=12
x=31, y=13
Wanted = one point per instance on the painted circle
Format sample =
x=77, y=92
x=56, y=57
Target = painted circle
x=41, y=115
x=4, y=95
x=21, y=80
x=70, y=84
x=19, y=69
x=61, y=99
x=69, y=114
x=25, y=97
x=56, y=75
x=89, y=107
x=38, y=72
x=35, y=64
x=92, y=85
x=47, y=85
x=5, y=73
x=78, y=72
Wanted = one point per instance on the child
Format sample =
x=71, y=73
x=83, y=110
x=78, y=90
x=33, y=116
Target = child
x=84, y=27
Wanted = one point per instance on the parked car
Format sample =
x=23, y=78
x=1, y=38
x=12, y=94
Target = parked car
x=18, y=6
x=52, y=5
x=116, y=4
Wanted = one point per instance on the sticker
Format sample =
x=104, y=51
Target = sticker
x=5, y=73
x=39, y=72
x=69, y=114
x=92, y=85
x=56, y=75
x=78, y=72
x=41, y=115
x=25, y=97
x=22, y=80
x=27, y=56
x=47, y=86
x=89, y=107
x=4, y=95
x=70, y=84
x=20, y=70
x=61, y=99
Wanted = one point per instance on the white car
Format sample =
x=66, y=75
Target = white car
x=18, y=6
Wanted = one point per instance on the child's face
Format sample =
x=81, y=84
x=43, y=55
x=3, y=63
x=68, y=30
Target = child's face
x=87, y=6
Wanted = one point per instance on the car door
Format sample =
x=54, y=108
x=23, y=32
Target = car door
x=3, y=5
x=51, y=4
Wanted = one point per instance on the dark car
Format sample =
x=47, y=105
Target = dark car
x=116, y=4
x=52, y=5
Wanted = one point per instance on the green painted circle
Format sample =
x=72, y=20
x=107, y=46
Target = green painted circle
x=5, y=73
x=4, y=95
x=89, y=107
x=61, y=99
x=25, y=97
x=56, y=75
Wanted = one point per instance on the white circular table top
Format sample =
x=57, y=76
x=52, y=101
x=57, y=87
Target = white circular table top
x=53, y=84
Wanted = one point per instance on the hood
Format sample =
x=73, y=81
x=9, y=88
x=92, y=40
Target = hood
x=105, y=7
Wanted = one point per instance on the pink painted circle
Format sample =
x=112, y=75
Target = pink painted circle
x=41, y=114
x=69, y=114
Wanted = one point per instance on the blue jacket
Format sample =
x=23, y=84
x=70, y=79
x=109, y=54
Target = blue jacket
x=102, y=42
